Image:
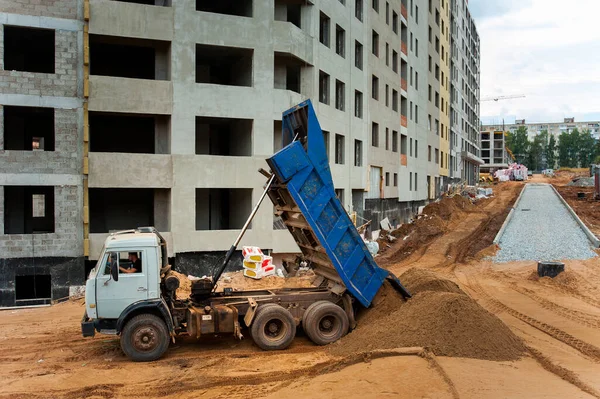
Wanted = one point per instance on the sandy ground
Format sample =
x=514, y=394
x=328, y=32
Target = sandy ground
x=44, y=355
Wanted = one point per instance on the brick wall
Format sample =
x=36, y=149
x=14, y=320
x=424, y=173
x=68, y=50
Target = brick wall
x=43, y=8
x=67, y=239
x=66, y=157
x=62, y=83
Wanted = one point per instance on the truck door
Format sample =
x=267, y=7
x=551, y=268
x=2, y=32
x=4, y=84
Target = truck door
x=112, y=297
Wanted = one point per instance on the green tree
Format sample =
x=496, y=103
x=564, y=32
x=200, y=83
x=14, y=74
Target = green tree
x=551, y=153
x=566, y=145
x=586, y=151
x=518, y=143
x=536, y=151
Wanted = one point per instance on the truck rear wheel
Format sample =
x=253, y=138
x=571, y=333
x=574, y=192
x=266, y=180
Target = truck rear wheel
x=325, y=322
x=145, y=338
x=273, y=327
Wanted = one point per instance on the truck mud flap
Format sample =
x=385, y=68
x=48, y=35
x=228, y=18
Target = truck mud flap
x=87, y=326
x=398, y=285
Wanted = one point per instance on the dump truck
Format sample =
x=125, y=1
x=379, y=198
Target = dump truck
x=144, y=310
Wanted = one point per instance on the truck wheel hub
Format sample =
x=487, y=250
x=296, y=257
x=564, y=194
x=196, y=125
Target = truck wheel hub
x=274, y=329
x=144, y=339
x=326, y=324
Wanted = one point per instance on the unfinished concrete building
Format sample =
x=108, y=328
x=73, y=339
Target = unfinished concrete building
x=176, y=105
x=41, y=114
x=493, y=151
x=465, y=96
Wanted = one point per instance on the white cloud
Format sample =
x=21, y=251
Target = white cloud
x=548, y=50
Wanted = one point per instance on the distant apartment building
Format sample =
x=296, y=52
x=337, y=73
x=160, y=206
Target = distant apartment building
x=553, y=128
x=164, y=111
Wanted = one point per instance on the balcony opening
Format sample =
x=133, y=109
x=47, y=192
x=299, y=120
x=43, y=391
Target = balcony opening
x=129, y=58
x=288, y=72
x=240, y=8
x=289, y=11
x=114, y=209
x=28, y=128
x=485, y=154
x=224, y=136
x=222, y=208
x=37, y=286
x=224, y=65
x=403, y=106
x=124, y=133
x=28, y=49
x=28, y=209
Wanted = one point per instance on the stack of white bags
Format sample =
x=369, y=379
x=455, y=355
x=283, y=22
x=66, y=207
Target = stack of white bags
x=256, y=264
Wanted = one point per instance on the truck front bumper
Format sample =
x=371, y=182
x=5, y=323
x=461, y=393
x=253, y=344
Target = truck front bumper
x=87, y=326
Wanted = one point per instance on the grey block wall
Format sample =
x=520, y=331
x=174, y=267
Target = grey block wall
x=60, y=253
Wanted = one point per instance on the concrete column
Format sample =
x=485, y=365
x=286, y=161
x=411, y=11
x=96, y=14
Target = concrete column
x=162, y=135
x=1, y=210
x=264, y=58
x=162, y=201
x=1, y=128
x=262, y=137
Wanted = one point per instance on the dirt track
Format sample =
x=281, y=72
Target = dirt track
x=45, y=356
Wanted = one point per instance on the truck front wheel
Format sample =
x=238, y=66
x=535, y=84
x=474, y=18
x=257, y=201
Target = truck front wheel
x=325, y=322
x=145, y=338
x=273, y=327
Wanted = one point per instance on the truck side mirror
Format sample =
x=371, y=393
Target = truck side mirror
x=114, y=270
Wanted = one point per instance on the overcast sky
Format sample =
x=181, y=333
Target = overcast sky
x=548, y=50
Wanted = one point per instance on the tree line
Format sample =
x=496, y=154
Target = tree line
x=573, y=149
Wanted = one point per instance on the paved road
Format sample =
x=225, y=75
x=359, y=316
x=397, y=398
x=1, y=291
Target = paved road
x=543, y=229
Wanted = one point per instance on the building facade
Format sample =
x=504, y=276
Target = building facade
x=41, y=106
x=164, y=111
x=465, y=157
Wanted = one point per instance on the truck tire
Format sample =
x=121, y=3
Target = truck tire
x=325, y=322
x=273, y=327
x=145, y=338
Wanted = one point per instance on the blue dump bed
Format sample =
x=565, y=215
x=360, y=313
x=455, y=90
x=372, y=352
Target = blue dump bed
x=303, y=195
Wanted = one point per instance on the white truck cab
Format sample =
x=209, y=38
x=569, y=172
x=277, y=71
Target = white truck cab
x=106, y=297
x=125, y=283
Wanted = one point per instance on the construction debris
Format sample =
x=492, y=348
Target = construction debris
x=516, y=172
x=582, y=182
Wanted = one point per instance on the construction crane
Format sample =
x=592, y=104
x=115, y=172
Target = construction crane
x=498, y=98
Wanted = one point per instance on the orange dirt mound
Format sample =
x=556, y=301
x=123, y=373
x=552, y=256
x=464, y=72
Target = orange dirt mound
x=448, y=208
x=419, y=280
x=385, y=302
x=449, y=324
x=430, y=224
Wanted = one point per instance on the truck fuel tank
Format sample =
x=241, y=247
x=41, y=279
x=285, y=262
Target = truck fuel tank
x=218, y=319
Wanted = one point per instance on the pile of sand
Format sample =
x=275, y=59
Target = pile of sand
x=448, y=208
x=447, y=323
x=419, y=280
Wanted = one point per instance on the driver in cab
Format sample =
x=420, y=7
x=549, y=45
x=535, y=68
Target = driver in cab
x=136, y=264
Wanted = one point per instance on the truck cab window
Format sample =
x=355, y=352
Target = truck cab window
x=130, y=262
x=108, y=260
x=127, y=262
